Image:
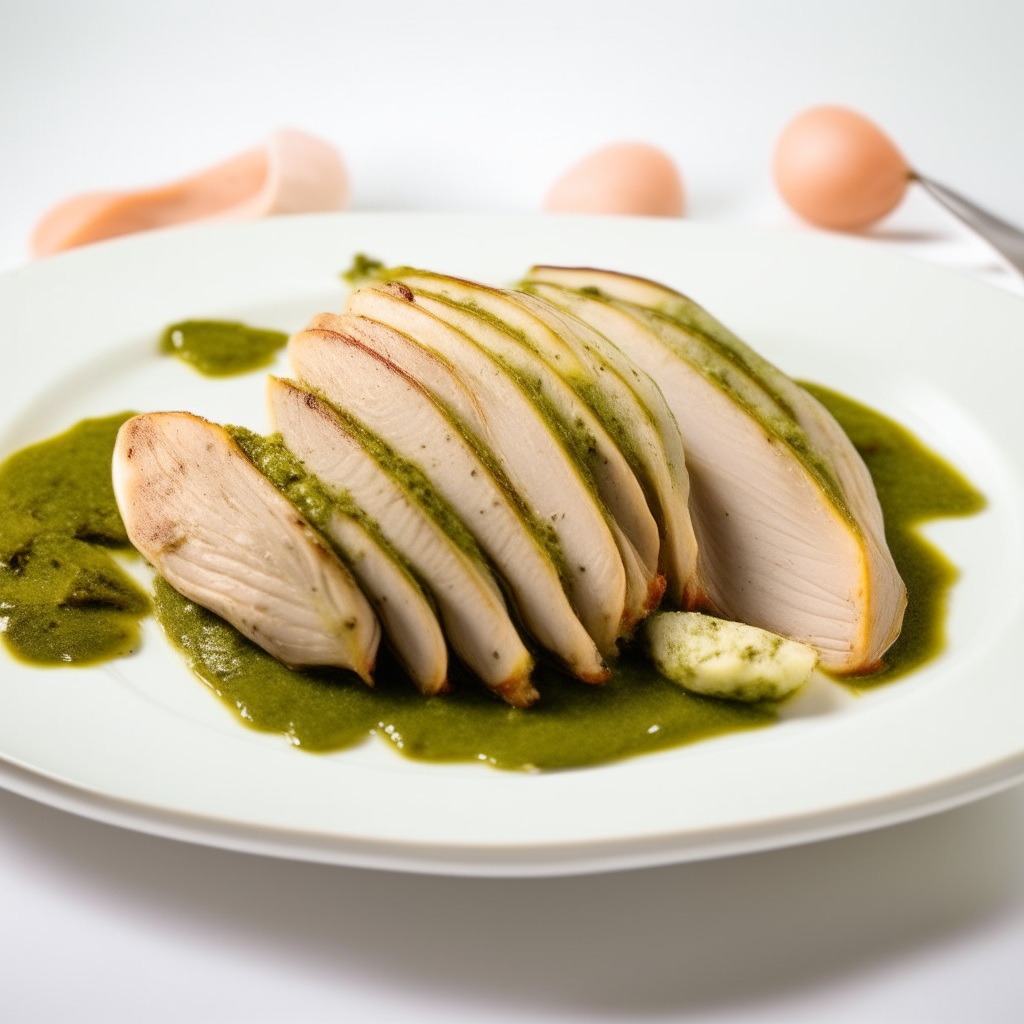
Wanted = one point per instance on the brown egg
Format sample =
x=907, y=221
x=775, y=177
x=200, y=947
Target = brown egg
x=627, y=178
x=839, y=170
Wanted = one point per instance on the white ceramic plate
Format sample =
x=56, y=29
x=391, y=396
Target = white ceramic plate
x=142, y=744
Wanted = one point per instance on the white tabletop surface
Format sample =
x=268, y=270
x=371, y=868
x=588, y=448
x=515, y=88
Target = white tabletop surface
x=450, y=106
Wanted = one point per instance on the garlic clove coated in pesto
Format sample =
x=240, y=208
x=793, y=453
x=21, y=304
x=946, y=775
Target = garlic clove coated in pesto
x=727, y=659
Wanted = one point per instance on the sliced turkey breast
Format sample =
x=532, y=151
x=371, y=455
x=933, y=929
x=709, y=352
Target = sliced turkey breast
x=535, y=353
x=790, y=532
x=344, y=365
x=406, y=613
x=409, y=620
x=350, y=461
x=644, y=586
x=648, y=428
x=534, y=458
x=224, y=537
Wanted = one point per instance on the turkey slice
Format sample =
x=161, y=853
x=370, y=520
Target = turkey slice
x=224, y=537
x=790, y=532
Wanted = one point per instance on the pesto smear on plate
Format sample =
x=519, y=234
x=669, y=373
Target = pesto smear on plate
x=65, y=601
x=221, y=348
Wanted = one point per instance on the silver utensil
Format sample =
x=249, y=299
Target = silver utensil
x=1003, y=237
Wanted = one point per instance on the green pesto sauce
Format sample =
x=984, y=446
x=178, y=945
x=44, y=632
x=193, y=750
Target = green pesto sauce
x=913, y=485
x=221, y=348
x=363, y=267
x=574, y=725
x=270, y=456
x=414, y=482
x=577, y=440
x=63, y=599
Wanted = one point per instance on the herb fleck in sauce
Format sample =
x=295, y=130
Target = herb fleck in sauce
x=221, y=348
x=62, y=597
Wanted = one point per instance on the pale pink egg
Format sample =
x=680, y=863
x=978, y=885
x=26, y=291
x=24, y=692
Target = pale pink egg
x=839, y=170
x=627, y=178
x=291, y=173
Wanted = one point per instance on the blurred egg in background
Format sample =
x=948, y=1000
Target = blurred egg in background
x=839, y=170
x=625, y=178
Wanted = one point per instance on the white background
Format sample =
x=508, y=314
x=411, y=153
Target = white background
x=447, y=106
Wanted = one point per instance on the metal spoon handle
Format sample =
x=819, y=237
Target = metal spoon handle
x=1003, y=237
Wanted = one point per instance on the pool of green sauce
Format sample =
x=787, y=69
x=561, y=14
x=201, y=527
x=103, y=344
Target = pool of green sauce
x=57, y=506
x=221, y=348
x=573, y=724
x=63, y=599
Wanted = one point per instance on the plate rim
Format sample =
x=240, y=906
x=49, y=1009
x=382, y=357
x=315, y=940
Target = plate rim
x=536, y=860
